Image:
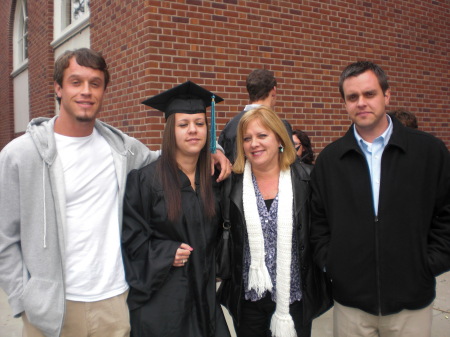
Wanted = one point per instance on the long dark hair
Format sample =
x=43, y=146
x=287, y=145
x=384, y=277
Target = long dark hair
x=168, y=171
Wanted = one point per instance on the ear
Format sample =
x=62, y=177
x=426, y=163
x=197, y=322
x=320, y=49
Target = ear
x=387, y=96
x=58, y=90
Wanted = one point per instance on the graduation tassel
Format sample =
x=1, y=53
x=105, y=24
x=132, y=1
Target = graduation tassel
x=213, y=126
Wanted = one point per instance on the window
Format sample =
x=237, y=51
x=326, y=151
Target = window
x=71, y=17
x=20, y=67
x=73, y=11
x=20, y=49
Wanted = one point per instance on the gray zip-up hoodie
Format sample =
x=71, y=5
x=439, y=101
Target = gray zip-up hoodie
x=32, y=216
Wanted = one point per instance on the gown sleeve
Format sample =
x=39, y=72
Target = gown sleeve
x=147, y=256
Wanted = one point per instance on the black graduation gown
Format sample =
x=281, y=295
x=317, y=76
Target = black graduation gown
x=167, y=301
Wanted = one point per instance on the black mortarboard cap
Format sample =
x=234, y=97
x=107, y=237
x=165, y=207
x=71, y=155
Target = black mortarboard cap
x=187, y=97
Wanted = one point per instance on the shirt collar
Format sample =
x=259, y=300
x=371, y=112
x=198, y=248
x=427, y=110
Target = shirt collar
x=251, y=106
x=383, y=138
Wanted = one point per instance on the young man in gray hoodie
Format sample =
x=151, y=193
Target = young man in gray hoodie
x=61, y=192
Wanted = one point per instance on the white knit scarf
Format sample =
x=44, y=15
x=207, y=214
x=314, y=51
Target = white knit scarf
x=281, y=323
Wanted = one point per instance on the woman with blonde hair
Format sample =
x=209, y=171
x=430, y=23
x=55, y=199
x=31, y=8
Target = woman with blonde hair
x=275, y=288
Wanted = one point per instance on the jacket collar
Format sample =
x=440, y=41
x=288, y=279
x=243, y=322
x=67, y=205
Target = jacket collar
x=398, y=139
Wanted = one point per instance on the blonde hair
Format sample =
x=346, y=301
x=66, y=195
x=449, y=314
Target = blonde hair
x=270, y=120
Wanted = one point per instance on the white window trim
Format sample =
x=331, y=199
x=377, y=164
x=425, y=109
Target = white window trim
x=18, y=70
x=61, y=35
x=18, y=65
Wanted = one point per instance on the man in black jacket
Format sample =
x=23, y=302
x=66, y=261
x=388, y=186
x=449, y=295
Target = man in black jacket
x=381, y=215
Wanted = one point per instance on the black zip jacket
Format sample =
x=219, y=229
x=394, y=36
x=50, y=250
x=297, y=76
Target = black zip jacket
x=383, y=263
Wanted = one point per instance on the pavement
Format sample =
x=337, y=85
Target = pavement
x=322, y=326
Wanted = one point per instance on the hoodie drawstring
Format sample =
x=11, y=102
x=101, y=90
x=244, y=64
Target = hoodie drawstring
x=45, y=209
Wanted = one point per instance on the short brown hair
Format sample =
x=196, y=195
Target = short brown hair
x=259, y=84
x=85, y=57
x=357, y=68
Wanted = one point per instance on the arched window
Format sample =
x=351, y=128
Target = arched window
x=20, y=34
x=20, y=67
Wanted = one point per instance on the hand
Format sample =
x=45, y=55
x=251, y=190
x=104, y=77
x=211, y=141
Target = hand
x=220, y=161
x=182, y=255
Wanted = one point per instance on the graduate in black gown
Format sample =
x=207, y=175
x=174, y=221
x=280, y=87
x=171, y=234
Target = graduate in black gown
x=170, y=225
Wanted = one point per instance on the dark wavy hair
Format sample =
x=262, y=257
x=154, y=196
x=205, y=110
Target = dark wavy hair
x=307, y=155
x=259, y=84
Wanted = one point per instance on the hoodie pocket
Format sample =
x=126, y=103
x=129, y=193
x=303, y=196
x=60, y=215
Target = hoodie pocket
x=43, y=301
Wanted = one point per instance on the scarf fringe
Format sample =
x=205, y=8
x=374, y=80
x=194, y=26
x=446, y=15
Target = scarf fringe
x=259, y=279
x=282, y=325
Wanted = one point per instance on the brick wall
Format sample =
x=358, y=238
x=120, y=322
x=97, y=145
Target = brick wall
x=153, y=45
x=306, y=44
x=6, y=66
x=41, y=59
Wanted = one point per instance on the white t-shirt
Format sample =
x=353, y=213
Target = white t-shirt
x=93, y=259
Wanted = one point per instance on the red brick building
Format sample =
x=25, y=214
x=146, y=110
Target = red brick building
x=152, y=45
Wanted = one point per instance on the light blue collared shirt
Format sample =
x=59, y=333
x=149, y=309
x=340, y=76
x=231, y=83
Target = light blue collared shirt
x=373, y=153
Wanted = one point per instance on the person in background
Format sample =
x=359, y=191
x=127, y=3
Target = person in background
x=303, y=147
x=170, y=226
x=275, y=289
x=61, y=191
x=380, y=215
x=262, y=91
x=405, y=117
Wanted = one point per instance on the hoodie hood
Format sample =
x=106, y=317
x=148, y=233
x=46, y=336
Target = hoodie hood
x=41, y=130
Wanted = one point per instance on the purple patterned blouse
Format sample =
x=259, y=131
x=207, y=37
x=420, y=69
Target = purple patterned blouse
x=269, y=228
